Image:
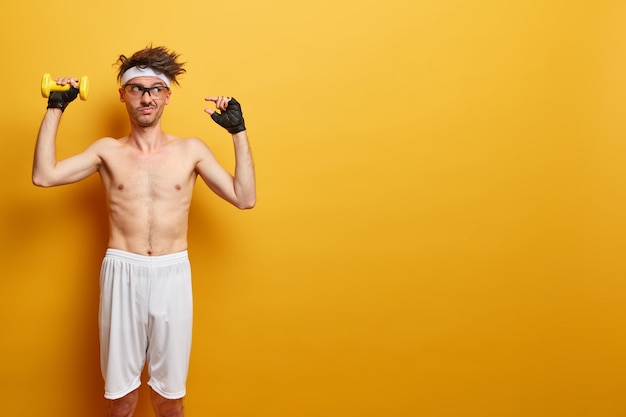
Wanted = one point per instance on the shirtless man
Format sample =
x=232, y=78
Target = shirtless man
x=148, y=177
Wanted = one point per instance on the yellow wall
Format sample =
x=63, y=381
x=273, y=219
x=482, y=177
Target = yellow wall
x=440, y=225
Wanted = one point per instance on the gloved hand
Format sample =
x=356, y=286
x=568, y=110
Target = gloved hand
x=230, y=119
x=60, y=99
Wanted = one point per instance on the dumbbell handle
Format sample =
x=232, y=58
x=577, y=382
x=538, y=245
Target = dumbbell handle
x=48, y=85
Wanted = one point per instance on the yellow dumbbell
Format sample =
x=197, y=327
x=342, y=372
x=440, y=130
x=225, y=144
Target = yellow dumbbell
x=48, y=85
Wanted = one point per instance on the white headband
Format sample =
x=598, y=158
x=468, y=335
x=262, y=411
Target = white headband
x=135, y=72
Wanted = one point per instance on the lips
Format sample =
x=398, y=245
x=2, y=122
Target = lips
x=145, y=110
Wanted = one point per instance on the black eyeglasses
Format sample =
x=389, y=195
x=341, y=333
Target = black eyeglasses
x=136, y=90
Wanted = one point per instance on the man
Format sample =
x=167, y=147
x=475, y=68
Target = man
x=148, y=176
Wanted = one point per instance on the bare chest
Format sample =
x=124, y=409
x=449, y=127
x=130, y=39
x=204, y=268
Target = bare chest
x=154, y=177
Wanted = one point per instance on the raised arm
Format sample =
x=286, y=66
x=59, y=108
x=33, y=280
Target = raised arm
x=47, y=171
x=240, y=189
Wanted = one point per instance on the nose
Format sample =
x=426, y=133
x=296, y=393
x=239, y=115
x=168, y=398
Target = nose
x=144, y=98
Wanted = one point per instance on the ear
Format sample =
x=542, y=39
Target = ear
x=167, y=97
x=122, y=95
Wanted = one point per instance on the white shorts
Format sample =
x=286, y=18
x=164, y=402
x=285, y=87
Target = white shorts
x=145, y=316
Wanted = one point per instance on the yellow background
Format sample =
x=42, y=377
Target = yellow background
x=440, y=225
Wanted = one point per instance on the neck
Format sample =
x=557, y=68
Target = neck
x=147, y=139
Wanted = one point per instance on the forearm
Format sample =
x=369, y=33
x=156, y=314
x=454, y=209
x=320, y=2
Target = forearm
x=244, y=181
x=45, y=148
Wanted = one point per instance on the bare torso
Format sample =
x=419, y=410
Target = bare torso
x=148, y=195
x=148, y=176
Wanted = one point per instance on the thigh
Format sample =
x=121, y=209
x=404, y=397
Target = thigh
x=123, y=336
x=171, y=315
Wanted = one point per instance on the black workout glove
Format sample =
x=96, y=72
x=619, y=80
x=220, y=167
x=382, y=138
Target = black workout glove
x=60, y=99
x=231, y=119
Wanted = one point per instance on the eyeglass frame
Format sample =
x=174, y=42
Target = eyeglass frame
x=145, y=90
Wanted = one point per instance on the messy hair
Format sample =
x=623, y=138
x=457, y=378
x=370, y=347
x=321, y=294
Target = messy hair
x=158, y=58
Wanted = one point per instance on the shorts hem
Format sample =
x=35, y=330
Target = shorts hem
x=167, y=395
x=121, y=394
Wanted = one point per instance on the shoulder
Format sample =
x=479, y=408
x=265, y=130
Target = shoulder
x=107, y=143
x=193, y=144
x=192, y=141
x=198, y=151
x=101, y=147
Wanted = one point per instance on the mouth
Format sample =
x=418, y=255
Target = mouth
x=145, y=110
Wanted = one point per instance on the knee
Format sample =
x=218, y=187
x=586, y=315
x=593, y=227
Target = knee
x=123, y=407
x=170, y=408
x=164, y=407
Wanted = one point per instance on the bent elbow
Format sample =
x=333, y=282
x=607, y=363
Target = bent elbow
x=247, y=205
x=40, y=182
